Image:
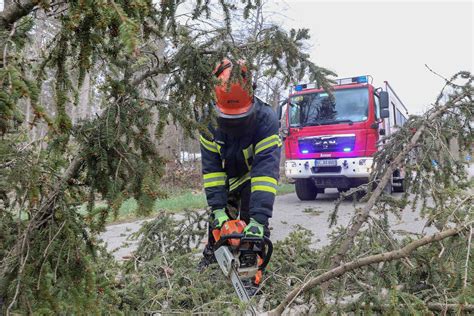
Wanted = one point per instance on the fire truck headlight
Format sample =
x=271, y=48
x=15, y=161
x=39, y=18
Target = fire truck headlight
x=291, y=164
x=362, y=162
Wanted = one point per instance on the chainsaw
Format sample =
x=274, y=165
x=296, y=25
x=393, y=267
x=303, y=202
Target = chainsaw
x=239, y=257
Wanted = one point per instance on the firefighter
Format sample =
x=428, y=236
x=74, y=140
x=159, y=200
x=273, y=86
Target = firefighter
x=240, y=163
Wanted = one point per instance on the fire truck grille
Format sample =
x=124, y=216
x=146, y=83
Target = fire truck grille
x=321, y=144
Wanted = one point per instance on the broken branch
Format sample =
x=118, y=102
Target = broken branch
x=362, y=216
x=358, y=263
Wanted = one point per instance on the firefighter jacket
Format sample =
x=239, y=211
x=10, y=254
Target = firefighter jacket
x=229, y=162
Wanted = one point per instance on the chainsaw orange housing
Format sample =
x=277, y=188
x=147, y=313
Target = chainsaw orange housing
x=235, y=226
x=258, y=277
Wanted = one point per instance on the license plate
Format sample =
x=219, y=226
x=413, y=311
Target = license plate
x=325, y=163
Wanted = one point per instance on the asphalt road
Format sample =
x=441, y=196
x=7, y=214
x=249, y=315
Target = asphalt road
x=116, y=238
x=314, y=215
x=288, y=212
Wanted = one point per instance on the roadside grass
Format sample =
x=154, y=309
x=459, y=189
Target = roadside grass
x=285, y=188
x=181, y=200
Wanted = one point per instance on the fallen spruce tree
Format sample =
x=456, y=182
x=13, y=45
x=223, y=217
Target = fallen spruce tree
x=147, y=64
x=367, y=267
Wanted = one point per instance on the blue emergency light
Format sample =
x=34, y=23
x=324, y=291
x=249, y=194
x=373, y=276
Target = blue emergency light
x=347, y=149
x=352, y=80
x=300, y=87
x=360, y=79
x=305, y=151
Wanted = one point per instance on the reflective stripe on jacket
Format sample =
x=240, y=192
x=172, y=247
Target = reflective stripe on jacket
x=229, y=162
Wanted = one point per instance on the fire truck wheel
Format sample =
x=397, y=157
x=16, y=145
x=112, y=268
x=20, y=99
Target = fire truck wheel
x=305, y=189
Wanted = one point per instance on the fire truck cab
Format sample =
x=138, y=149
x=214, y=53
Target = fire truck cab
x=330, y=142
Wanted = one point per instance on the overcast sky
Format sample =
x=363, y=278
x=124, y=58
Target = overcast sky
x=390, y=40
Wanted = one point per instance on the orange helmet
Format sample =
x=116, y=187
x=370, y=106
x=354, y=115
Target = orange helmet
x=232, y=100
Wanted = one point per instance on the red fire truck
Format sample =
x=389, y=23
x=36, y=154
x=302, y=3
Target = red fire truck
x=330, y=142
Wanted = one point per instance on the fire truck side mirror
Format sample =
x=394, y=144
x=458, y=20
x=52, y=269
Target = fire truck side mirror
x=384, y=113
x=383, y=100
x=280, y=108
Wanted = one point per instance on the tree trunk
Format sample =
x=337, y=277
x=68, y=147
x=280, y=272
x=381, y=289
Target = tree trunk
x=12, y=12
x=6, y=4
x=83, y=106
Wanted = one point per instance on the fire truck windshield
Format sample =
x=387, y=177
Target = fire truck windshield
x=349, y=106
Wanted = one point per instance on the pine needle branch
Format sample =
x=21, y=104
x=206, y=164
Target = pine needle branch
x=363, y=214
x=358, y=263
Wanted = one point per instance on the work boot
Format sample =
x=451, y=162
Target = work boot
x=207, y=259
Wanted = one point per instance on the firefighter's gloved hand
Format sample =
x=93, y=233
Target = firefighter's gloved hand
x=219, y=218
x=254, y=229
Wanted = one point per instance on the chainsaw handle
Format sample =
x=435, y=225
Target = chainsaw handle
x=224, y=238
x=268, y=253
